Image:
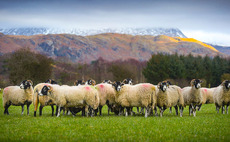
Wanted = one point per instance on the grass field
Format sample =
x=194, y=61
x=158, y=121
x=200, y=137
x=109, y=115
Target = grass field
x=206, y=126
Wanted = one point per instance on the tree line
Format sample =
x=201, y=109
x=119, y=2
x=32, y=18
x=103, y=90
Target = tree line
x=181, y=69
x=25, y=64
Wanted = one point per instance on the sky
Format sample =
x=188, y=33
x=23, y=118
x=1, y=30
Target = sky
x=204, y=20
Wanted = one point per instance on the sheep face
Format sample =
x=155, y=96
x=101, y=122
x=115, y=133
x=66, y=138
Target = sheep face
x=45, y=90
x=26, y=84
x=90, y=82
x=128, y=81
x=227, y=84
x=117, y=85
x=79, y=82
x=50, y=81
x=197, y=83
x=107, y=81
x=163, y=86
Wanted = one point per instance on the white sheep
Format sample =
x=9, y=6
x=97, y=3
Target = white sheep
x=72, y=96
x=106, y=95
x=139, y=95
x=18, y=96
x=207, y=96
x=43, y=100
x=221, y=96
x=193, y=95
x=169, y=96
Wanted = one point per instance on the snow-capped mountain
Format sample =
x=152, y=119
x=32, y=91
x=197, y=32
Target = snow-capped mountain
x=172, y=32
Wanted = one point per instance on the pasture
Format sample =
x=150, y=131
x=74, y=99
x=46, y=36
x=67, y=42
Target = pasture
x=206, y=126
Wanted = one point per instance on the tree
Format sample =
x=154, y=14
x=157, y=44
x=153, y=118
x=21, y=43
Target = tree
x=24, y=64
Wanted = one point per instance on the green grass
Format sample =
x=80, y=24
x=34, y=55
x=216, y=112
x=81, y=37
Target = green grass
x=206, y=126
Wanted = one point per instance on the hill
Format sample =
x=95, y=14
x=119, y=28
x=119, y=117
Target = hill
x=109, y=46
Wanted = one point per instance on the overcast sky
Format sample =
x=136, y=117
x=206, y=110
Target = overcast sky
x=205, y=20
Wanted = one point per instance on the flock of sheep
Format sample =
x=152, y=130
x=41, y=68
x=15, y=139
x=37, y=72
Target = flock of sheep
x=120, y=97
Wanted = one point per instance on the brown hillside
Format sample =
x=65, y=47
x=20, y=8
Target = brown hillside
x=108, y=46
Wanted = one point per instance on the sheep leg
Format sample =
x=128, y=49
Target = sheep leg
x=155, y=109
x=83, y=111
x=161, y=111
x=223, y=109
x=126, y=111
x=227, y=109
x=190, y=110
x=40, y=110
x=217, y=109
x=28, y=108
x=146, y=112
x=176, y=109
x=22, y=109
x=59, y=111
x=199, y=107
x=170, y=110
x=193, y=110
x=181, y=110
x=6, y=109
x=86, y=111
x=137, y=109
x=52, y=107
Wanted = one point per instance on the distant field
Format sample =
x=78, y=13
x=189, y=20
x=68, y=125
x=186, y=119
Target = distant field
x=207, y=126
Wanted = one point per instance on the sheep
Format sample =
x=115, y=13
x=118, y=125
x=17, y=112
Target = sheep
x=43, y=100
x=90, y=82
x=139, y=95
x=50, y=81
x=207, y=96
x=107, y=81
x=193, y=95
x=169, y=96
x=18, y=96
x=72, y=96
x=106, y=95
x=79, y=82
x=221, y=96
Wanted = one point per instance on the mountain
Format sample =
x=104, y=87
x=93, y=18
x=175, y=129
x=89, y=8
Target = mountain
x=172, y=32
x=110, y=46
x=222, y=49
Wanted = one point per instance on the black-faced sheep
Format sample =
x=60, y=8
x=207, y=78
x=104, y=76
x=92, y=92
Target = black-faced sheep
x=18, y=96
x=193, y=95
x=79, y=82
x=221, y=96
x=169, y=96
x=139, y=95
x=106, y=95
x=72, y=96
x=42, y=100
x=107, y=81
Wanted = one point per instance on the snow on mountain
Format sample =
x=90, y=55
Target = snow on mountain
x=172, y=32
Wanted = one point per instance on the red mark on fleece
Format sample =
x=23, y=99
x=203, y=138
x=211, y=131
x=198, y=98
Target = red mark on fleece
x=204, y=91
x=5, y=90
x=145, y=85
x=101, y=86
x=87, y=88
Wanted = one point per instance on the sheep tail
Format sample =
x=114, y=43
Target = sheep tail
x=181, y=101
x=35, y=100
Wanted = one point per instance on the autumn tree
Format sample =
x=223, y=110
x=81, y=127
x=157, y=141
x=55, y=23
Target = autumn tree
x=24, y=64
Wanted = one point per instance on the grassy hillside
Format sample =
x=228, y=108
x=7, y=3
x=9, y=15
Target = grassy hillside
x=207, y=126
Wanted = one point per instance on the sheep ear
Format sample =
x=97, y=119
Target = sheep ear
x=122, y=84
x=49, y=88
x=75, y=83
x=94, y=82
x=158, y=85
x=192, y=82
x=30, y=82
